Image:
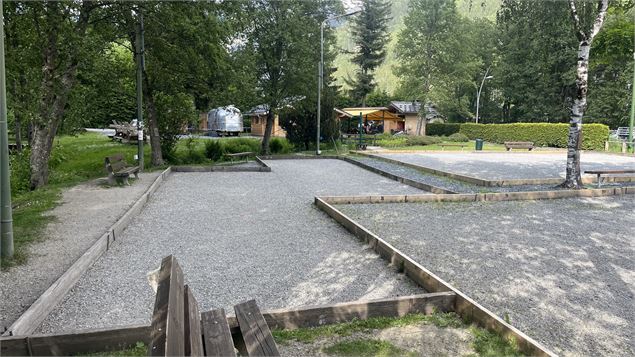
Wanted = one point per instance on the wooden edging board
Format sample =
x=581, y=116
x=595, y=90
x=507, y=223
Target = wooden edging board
x=221, y=168
x=494, y=183
x=473, y=197
x=104, y=340
x=464, y=306
x=405, y=181
x=31, y=319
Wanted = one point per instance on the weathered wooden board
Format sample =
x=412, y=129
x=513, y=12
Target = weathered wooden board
x=193, y=336
x=217, y=335
x=168, y=319
x=255, y=331
x=77, y=342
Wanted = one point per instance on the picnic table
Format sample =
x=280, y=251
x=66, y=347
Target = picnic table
x=599, y=173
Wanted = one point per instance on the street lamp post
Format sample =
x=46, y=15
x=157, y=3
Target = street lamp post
x=478, y=95
x=321, y=76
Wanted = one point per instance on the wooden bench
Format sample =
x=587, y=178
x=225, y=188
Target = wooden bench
x=599, y=173
x=519, y=145
x=239, y=155
x=119, y=170
x=444, y=145
x=178, y=329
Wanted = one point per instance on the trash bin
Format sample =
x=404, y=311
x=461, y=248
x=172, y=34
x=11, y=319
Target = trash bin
x=478, y=145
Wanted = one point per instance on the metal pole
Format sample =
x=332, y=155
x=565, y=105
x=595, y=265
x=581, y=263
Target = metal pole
x=6, y=214
x=319, y=100
x=140, y=67
x=630, y=130
x=478, y=95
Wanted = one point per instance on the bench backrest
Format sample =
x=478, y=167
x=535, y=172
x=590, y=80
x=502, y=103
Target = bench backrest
x=175, y=329
x=115, y=163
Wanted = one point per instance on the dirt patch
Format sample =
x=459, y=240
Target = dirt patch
x=419, y=339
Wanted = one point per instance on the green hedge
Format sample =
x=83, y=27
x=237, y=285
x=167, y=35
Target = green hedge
x=441, y=129
x=541, y=134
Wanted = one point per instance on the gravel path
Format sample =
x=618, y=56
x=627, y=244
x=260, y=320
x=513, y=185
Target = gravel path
x=509, y=165
x=563, y=270
x=239, y=236
x=451, y=184
x=85, y=213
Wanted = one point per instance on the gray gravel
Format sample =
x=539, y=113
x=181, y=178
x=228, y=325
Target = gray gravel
x=239, y=236
x=450, y=184
x=512, y=165
x=85, y=213
x=564, y=270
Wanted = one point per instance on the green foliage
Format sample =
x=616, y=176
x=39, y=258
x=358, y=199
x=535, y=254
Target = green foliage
x=174, y=112
x=306, y=335
x=138, y=350
x=541, y=134
x=422, y=140
x=20, y=172
x=366, y=347
x=233, y=146
x=214, y=150
x=193, y=153
x=280, y=146
x=442, y=129
x=490, y=344
x=458, y=137
x=370, y=33
x=392, y=142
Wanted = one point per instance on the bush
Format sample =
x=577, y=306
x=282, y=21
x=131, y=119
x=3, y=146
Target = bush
x=442, y=129
x=541, y=134
x=20, y=171
x=392, y=142
x=214, y=150
x=458, y=138
x=280, y=146
x=422, y=140
x=193, y=154
x=233, y=146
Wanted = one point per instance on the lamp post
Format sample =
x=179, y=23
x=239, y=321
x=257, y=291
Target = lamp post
x=6, y=213
x=321, y=76
x=478, y=95
x=140, y=67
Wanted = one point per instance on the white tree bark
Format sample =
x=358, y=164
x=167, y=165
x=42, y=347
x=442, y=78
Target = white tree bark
x=574, y=177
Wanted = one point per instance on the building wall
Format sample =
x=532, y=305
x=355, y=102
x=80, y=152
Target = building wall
x=392, y=125
x=259, y=123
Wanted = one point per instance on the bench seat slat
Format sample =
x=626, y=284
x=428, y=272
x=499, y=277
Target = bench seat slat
x=255, y=331
x=217, y=334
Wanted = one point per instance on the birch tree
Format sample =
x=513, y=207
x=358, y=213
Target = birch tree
x=585, y=38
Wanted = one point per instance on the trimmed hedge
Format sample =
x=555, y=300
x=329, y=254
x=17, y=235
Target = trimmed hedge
x=441, y=129
x=541, y=134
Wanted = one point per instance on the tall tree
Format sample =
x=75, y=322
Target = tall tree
x=370, y=33
x=585, y=35
x=55, y=36
x=285, y=39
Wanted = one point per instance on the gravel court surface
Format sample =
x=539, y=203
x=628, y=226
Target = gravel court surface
x=510, y=165
x=239, y=236
x=563, y=270
x=66, y=238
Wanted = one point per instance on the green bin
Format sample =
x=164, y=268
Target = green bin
x=478, y=145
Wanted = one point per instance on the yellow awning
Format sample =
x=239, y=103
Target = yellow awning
x=373, y=113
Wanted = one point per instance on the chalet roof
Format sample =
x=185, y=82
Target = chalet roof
x=405, y=107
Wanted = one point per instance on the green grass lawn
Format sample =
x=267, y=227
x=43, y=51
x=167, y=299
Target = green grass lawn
x=74, y=159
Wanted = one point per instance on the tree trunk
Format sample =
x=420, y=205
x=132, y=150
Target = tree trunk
x=574, y=175
x=268, y=128
x=153, y=122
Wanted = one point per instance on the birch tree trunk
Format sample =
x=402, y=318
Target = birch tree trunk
x=574, y=175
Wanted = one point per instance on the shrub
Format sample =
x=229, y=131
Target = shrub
x=392, y=142
x=422, y=140
x=233, y=146
x=193, y=154
x=20, y=171
x=458, y=137
x=280, y=146
x=214, y=150
x=442, y=129
x=541, y=134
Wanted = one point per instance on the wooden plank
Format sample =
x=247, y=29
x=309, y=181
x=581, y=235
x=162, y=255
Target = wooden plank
x=217, y=335
x=255, y=331
x=193, y=336
x=31, y=319
x=168, y=330
x=75, y=342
